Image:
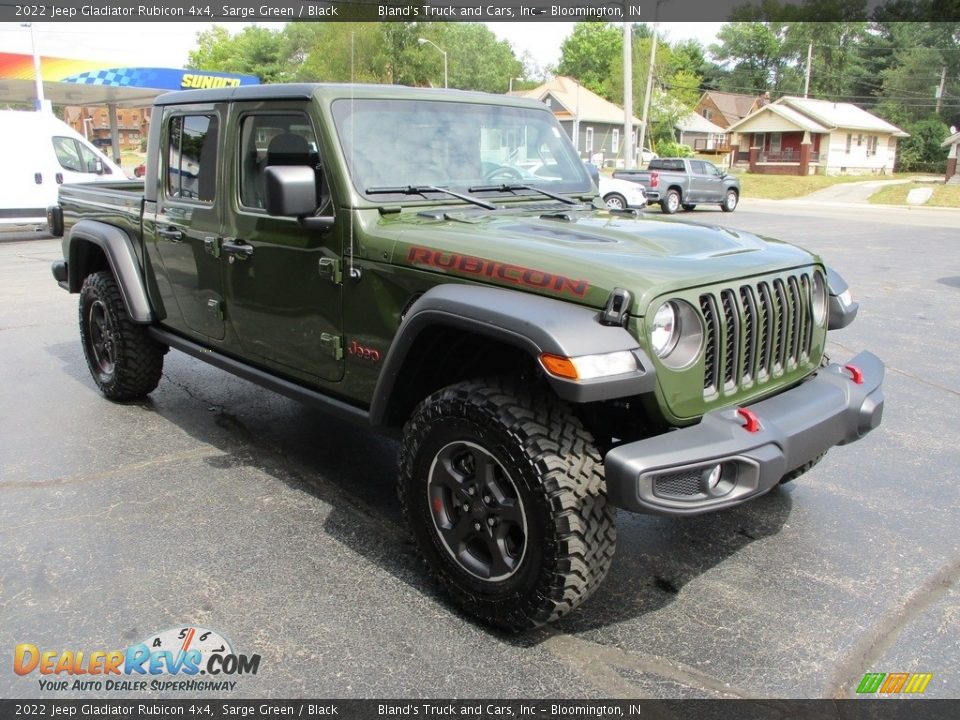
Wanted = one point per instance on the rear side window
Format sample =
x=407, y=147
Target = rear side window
x=192, y=157
x=659, y=164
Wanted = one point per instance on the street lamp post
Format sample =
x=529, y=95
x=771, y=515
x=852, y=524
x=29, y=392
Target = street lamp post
x=37, y=76
x=424, y=41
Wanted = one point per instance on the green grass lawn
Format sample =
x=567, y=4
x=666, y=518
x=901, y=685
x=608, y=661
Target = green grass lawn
x=943, y=195
x=782, y=187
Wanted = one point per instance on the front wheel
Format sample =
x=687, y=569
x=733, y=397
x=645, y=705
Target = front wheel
x=505, y=495
x=730, y=201
x=615, y=201
x=125, y=362
x=671, y=202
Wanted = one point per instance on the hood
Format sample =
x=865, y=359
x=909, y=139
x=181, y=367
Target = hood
x=581, y=256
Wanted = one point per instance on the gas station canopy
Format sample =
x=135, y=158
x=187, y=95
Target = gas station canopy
x=93, y=82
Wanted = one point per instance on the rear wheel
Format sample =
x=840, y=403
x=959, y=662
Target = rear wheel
x=730, y=201
x=505, y=496
x=671, y=202
x=615, y=201
x=125, y=362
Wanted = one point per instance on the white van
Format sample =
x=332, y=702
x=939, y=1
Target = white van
x=40, y=154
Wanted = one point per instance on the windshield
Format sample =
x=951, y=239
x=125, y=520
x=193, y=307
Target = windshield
x=401, y=143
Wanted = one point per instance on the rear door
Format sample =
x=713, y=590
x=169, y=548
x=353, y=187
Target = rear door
x=283, y=283
x=188, y=219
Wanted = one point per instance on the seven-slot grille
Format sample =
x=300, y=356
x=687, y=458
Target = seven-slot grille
x=754, y=332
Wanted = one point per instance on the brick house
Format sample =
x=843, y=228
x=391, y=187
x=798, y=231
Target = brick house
x=93, y=122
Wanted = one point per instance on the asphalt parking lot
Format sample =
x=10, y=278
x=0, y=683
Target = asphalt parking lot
x=219, y=504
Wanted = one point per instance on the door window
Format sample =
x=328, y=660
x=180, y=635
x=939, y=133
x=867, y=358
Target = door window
x=90, y=160
x=192, y=157
x=698, y=167
x=277, y=139
x=67, y=154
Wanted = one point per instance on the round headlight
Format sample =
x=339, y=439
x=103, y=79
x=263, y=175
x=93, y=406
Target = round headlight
x=818, y=305
x=663, y=334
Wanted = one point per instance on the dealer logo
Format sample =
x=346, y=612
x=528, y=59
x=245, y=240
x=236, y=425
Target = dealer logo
x=186, y=651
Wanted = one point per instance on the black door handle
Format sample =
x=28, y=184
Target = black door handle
x=236, y=249
x=170, y=234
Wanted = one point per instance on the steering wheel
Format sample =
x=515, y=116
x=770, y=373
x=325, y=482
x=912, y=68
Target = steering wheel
x=504, y=172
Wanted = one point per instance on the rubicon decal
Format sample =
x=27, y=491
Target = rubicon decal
x=894, y=683
x=506, y=272
x=185, y=651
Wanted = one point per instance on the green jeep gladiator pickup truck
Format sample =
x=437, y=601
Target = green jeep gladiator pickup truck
x=437, y=265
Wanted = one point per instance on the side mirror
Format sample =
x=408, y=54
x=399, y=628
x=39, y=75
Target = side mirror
x=95, y=167
x=291, y=190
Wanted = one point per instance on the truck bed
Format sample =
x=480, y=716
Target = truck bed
x=117, y=203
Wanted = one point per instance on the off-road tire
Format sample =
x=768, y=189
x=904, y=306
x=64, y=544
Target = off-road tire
x=671, y=202
x=794, y=474
x=553, y=464
x=689, y=207
x=730, y=201
x=125, y=362
x=615, y=201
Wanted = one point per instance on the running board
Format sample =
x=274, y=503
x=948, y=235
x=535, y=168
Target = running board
x=292, y=390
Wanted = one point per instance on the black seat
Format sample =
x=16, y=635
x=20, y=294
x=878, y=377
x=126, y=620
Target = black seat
x=288, y=149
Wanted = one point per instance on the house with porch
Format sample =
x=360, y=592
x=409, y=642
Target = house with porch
x=595, y=125
x=801, y=136
x=953, y=172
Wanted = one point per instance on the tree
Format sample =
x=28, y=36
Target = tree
x=755, y=55
x=253, y=51
x=590, y=52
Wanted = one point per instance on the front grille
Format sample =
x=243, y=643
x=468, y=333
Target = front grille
x=755, y=332
x=681, y=484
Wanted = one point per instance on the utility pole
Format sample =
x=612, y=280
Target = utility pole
x=806, y=82
x=943, y=82
x=627, y=95
x=646, y=98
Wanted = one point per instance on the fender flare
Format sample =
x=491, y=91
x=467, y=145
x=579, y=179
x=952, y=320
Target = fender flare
x=529, y=322
x=118, y=248
x=840, y=313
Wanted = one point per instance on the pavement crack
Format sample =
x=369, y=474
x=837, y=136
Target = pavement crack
x=883, y=633
x=597, y=663
x=907, y=374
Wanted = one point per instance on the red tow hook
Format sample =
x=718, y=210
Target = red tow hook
x=856, y=374
x=752, y=424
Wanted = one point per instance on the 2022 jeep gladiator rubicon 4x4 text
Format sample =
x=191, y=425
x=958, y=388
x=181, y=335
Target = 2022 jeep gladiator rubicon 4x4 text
x=437, y=265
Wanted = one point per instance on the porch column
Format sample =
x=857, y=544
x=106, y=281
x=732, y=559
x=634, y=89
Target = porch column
x=754, y=157
x=805, y=145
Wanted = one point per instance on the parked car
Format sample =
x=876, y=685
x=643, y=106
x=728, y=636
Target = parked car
x=42, y=153
x=677, y=183
x=140, y=170
x=621, y=194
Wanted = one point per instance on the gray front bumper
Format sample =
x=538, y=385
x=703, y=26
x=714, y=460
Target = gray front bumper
x=669, y=474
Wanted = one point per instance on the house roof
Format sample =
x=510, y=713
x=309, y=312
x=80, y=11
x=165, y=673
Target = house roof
x=955, y=138
x=821, y=116
x=733, y=106
x=841, y=115
x=697, y=123
x=577, y=101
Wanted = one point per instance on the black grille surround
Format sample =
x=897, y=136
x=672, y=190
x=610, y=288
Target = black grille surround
x=756, y=331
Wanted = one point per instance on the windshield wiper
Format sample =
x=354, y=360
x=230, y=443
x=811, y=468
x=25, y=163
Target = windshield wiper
x=422, y=189
x=520, y=186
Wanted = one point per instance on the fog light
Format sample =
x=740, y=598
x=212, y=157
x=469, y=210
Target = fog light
x=713, y=478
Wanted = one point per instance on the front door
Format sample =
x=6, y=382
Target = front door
x=187, y=225
x=283, y=282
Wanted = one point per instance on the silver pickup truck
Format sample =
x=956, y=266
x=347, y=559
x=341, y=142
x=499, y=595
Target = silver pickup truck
x=677, y=183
